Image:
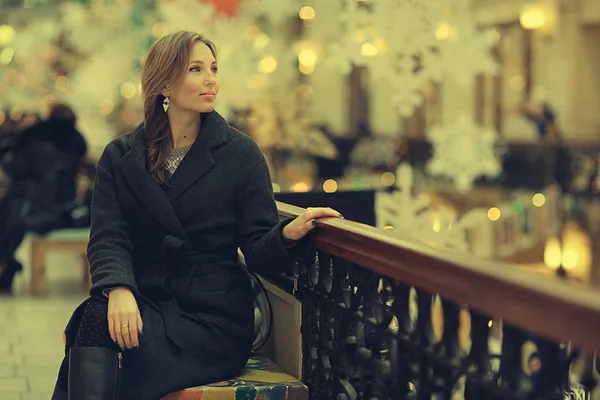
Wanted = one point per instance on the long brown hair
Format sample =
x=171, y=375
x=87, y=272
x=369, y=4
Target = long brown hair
x=165, y=66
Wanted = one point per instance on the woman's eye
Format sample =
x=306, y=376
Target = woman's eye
x=215, y=69
x=194, y=69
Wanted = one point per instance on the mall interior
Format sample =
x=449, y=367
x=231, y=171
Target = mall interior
x=458, y=139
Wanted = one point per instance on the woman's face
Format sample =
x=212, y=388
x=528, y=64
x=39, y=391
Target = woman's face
x=200, y=86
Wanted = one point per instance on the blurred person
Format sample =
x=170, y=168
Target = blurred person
x=173, y=201
x=543, y=116
x=42, y=190
x=541, y=113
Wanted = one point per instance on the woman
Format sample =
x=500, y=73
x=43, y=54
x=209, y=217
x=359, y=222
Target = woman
x=170, y=306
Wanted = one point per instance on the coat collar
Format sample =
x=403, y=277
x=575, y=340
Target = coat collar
x=197, y=162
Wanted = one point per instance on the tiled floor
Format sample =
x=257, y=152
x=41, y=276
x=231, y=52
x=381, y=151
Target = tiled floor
x=31, y=346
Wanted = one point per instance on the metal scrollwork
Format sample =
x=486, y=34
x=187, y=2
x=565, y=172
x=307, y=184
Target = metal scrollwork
x=362, y=341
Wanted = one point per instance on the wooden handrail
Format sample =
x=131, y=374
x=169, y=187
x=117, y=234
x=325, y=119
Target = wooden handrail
x=552, y=308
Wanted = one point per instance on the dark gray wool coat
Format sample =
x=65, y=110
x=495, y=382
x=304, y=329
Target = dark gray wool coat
x=176, y=249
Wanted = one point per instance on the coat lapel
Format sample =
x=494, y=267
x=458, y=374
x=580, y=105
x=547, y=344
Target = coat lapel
x=133, y=166
x=199, y=159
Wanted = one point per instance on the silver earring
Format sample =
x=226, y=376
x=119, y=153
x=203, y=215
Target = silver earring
x=166, y=103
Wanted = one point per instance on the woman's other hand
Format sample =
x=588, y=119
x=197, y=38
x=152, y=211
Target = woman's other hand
x=307, y=221
x=124, y=319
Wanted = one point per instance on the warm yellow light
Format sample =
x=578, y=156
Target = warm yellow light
x=490, y=323
x=306, y=69
x=106, y=107
x=538, y=199
x=6, y=55
x=307, y=12
x=139, y=87
x=494, y=214
x=267, y=65
x=159, y=29
x=261, y=41
x=552, y=253
x=330, y=186
x=368, y=50
x=443, y=31
x=300, y=187
x=570, y=258
x=388, y=228
x=437, y=224
x=61, y=83
x=307, y=57
x=7, y=34
x=533, y=16
x=128, y=90
x=276, y=188
x=388, y=178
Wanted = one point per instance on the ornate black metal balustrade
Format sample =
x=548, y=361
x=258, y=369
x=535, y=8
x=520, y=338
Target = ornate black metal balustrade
x=367, y=336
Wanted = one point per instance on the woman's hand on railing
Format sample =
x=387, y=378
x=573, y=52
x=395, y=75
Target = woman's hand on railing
x=307, y=221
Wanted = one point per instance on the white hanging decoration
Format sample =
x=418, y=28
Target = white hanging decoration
x=412, y=216
x=28, y=78
x=408, y=43
x=99, y=78
x=92, y=27
x=463, y=40
x=407, y=91
x=109, y=47
x=37, y=37
x=463, y=151
x=400, y=209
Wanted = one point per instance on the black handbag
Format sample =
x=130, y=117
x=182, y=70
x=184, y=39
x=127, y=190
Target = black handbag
x=263, y=311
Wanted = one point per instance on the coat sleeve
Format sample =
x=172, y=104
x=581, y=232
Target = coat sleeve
x=259, y=228
x=110, y=247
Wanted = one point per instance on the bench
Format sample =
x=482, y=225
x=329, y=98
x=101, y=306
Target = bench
x=261, y=380
x=63, y=240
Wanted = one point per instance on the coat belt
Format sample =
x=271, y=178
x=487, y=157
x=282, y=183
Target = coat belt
x=174, y=256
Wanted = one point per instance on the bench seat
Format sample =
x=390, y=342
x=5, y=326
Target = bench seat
x=261, y=380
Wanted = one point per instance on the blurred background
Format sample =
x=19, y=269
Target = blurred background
x=471, y=124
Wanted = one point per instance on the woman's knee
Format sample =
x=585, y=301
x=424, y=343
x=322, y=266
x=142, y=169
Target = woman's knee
x=93, y=328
